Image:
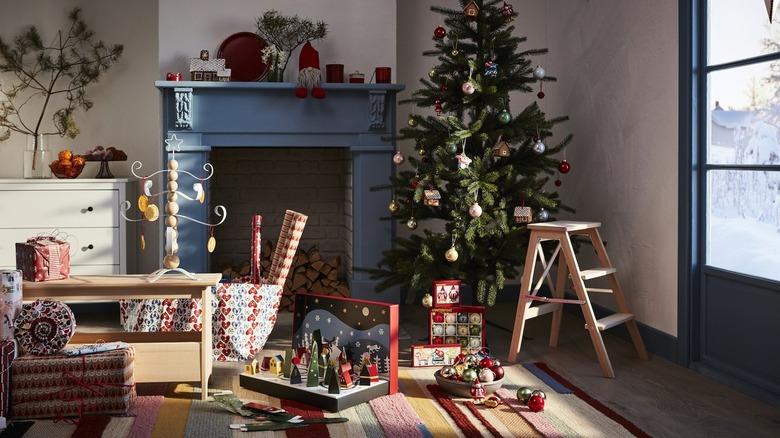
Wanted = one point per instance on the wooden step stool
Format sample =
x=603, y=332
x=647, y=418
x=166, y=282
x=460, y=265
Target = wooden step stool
x=561, y=231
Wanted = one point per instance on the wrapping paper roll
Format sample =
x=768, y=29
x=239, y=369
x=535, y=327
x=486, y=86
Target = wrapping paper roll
x=10, y=301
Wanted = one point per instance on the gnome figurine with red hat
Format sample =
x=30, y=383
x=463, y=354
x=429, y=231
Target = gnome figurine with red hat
x=309, y=74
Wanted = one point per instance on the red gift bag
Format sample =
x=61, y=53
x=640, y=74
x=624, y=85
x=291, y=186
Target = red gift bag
x=43, y=258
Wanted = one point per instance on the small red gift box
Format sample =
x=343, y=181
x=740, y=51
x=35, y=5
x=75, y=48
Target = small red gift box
x=60, y=386
x=43, y=258
x=446, y=293
x=434, y=355
x=7, y=355
x=464, y=325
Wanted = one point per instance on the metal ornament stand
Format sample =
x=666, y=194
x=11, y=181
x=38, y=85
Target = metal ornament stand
x=172, y=217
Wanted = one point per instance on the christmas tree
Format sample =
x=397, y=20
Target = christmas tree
x=479, y=169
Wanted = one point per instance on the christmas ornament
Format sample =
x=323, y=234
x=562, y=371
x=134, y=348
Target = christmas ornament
x=152, y=212
x=450, y=331
x=475, y=330
x=475, y=318
x=393, y=206
x=427, y=301
x=539, y=147
x=523, y=394
x=504, y=117
x=432, y=73
x=411, y=224
x=463, y=161
x=491, y=68
x=451, y=255
x=508, y=12
x=477, y=392
x=535, y=403
x=438, y=330
x=438, y=318
x=438, y=107
x=438, y=340
x=486, y=375
x=496, y=363
x=432, y=197
x=486, y=363
x=539, y=72
x=448, y=372
x=211, y=245
x=454, y=52
x=542, y=215
x=440, y=32
x=469, y=375
x=398, y=158
x=501, y=149
x=463, y=330
x=540, y=94
x=452, y=148
x=143, y=202
x=475, y=210
x=558, y=183
x=412, y=122
x=498, y=371
x=471, y=10
x=468, y=88
x=443, y=87
x=564, y=166
x=540, y=393
x=421, y=152
x=523, y=214
x=471, y=360
x=463, y=318
x=492, y=401
x=450, y=318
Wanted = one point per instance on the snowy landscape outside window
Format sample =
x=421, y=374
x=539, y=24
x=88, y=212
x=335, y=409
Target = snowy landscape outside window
x=743, y=139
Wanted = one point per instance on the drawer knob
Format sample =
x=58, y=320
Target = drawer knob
x=90, y=209
x=88, y=247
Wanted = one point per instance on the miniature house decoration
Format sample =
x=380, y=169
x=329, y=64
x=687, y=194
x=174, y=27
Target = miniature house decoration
x=471, y=9
x=501, y=150
x=224, y=75
x=523, y=214
x=432, y=198
x=205, y=69
x=345, y=375
x=276, y=365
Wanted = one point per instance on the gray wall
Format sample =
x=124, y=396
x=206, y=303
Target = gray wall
x=616, y=62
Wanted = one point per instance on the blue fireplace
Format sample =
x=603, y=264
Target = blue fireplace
x=357, y=118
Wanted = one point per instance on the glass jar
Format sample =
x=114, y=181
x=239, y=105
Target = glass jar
x=37, y=158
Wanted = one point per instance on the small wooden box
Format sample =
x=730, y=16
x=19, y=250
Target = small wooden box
x=463, y=325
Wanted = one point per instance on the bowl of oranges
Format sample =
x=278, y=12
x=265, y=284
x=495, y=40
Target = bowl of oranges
x=67, y=165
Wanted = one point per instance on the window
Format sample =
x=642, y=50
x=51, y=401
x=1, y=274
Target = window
x=742, y=138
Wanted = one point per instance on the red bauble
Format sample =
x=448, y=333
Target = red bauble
x=414, y=184
x=558, y=183
x=564, y=166
x=459, y=358
x=439, y=32
x=498, y=371
x=540, y=95
x=438, y=340
x=536, y=403
x=438, y=317
x=486, y=363
x=443, y=87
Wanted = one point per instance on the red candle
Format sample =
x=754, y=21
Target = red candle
x=334, y=73
x=357, y=78
x=382, y=75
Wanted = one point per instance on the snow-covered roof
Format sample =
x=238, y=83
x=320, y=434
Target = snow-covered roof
x=197, y=64
x=731, y=119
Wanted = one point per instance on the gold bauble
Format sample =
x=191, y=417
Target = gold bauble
x=393, y=207
x=143, y=202
x=451, y=254
x=152, y=213
x=427, y=301
x=211, y=245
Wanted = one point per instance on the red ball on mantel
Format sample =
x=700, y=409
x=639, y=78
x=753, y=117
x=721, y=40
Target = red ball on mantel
x=498, y=371
x=564, y=166
x=486, y=363
x=536, y=403
x=439, y=32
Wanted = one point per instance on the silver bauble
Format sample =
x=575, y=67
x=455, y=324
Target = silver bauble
x=427, y=301
x=471, y=360
x=539, y=72
x=468, y=88
x=447, y=372
x=475, y=210
x=411, y=224
x=539, y=147
x=542, y=215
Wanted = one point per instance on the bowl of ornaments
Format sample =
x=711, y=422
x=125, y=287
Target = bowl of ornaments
x=468, y=370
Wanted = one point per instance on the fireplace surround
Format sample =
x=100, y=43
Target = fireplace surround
x=359, y=118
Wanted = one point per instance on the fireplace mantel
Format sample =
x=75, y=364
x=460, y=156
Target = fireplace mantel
x=360, y=117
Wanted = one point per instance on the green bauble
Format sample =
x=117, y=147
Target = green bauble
x=452, y=148
x=469, y=375
x=504, y=117
x=523, y=394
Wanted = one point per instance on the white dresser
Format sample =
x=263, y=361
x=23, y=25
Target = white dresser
x=87, y=210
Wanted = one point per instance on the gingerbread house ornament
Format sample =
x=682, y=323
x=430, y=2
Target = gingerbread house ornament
x=471, y=9
x=205, y=69
x=523, y=214
x=502, y=149
x=432, y=198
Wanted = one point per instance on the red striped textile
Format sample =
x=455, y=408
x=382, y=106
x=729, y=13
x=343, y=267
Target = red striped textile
x=463, y=422
x=305, y=411
x=473, y=408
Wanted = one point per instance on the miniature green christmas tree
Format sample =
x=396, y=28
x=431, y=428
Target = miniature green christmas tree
x=313, y=374
x=333, y=381
x=295, y=376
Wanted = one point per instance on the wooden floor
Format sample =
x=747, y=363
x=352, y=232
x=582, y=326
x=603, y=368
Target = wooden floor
x=662, y=398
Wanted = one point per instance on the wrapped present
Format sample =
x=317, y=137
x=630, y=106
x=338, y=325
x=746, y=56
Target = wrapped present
x=10, y=301
x=43, y=258
x=7, y=356
x=44, y=327
x=60, y=386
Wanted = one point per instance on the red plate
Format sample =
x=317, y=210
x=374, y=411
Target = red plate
x=241, y=52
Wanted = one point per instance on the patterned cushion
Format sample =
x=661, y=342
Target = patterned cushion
x=44, y=327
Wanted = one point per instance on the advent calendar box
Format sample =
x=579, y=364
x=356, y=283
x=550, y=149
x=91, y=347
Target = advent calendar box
x=463, y=325
x=446, y=293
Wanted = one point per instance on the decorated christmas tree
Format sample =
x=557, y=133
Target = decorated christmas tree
x=479, y=170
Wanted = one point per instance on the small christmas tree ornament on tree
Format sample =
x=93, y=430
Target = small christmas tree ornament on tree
x=564, y=166
x=539, y=147
x=539, y=72
x=491, y=69
x=412, y=122
x=411, y=224
x=504, y=117
x=451, y=255
x=508, y=12
x=393, y=207
x=454, y=52
x=440, y=32
x=475, y=210
x=398, y=158
x=542, y=215
x=438, y=107
x=427, y=301
x=523, y=214
x=471, y=10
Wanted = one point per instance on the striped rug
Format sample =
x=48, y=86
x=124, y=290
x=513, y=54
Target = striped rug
x=420, y=409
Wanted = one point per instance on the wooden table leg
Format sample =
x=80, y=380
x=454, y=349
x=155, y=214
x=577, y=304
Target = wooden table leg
x=205, y=344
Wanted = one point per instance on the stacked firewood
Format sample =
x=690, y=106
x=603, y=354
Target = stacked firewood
x=309, y=273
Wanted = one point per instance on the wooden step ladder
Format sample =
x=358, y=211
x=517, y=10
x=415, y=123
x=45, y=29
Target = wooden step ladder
x=561, y=232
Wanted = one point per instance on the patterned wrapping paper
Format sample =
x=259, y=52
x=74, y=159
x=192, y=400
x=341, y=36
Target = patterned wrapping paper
x=10, y=301
x=7, y=355
x=44, y=327
x=43, y=258
x=60, y=386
